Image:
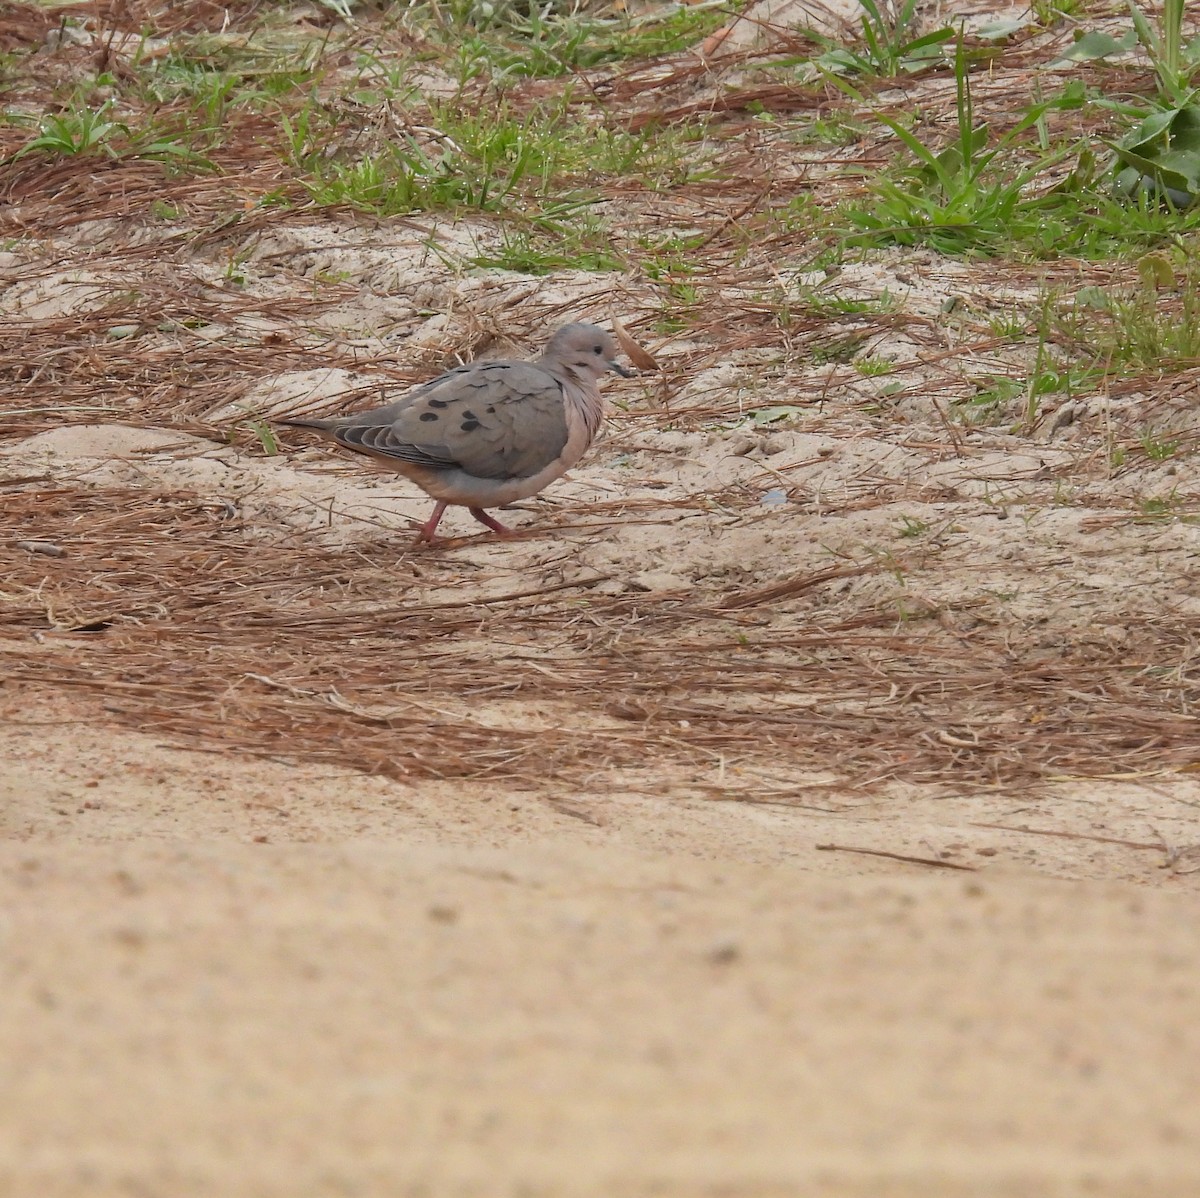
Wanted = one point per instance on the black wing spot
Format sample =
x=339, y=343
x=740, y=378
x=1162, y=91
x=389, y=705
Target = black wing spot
x=437, y=403
x=491, y=409
x=428, y=416
x=469, y=426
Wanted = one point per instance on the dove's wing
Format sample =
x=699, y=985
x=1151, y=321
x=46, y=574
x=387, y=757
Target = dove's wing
x=495, y=420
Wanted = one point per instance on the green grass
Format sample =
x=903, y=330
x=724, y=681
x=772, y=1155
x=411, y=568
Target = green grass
x=502, y=40
x=357, y=131
x=575, y=243
x=80, y=130
x=487, y=159
x=1159, y=507
x=822, y=300
x=1017, y=400
x=1092, y=335
x=668, y=259
x=967, y=197
x=1081, y=218
x=1162, y=40
x=208, y=87
x=1140, y=330
x=1004, y=196
x=1158, y=448
x=912, y=527
x=76, y=131
x=1012, y=324
x=889, y=44
x=1048, y=13
x=992, y=402
x=873, y=367
x=1007, y=212
x=835, y=129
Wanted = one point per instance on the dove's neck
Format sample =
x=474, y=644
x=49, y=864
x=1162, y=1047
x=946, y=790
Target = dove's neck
x=583, y=399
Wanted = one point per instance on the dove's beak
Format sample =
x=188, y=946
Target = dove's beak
x=623, y=371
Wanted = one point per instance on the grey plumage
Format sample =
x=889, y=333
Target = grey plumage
x=490, y=432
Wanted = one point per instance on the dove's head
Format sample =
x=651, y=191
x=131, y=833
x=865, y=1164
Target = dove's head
x=583, y=351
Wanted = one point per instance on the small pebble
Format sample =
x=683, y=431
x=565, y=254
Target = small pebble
x=48, y=548
x=725, y=952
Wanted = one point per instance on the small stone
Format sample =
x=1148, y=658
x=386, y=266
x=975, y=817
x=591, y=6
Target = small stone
x=725, y=952
x=1063, y=417
x=654, y=580
x=46, y=548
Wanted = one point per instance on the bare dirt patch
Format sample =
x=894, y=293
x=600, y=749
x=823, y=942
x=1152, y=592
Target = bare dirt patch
x=803, y=801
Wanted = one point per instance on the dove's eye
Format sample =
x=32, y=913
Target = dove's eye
x=599, y=349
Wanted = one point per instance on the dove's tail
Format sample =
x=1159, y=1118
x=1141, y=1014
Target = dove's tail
x=322, y=426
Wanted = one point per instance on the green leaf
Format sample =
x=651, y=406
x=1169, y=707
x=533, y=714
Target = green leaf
x=1094, y=44
x=1095, y=298
x=936, y=38
x=951, y=161
x=838, y=61
x=1184, y=131
x=1164, y=148
x=920, y=151
x=996, y=30
x=1152, y=128
x=1127, y=182
x=1155, y=271
x=266, y=437
x=1145, y=34
x=1180, y=171
x=771, y=415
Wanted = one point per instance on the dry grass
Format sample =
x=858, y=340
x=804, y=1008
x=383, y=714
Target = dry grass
x=168, y=614
x=168, y=619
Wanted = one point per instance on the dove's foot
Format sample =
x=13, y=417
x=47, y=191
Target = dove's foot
x=439, y=510
x=492, y=523
x=430, y=525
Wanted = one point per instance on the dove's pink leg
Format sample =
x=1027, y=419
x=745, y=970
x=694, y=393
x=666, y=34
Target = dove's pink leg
x=493, y=524
x=430, y=525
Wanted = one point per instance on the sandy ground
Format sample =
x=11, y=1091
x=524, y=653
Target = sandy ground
x=244, y=978
x=235, y=976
